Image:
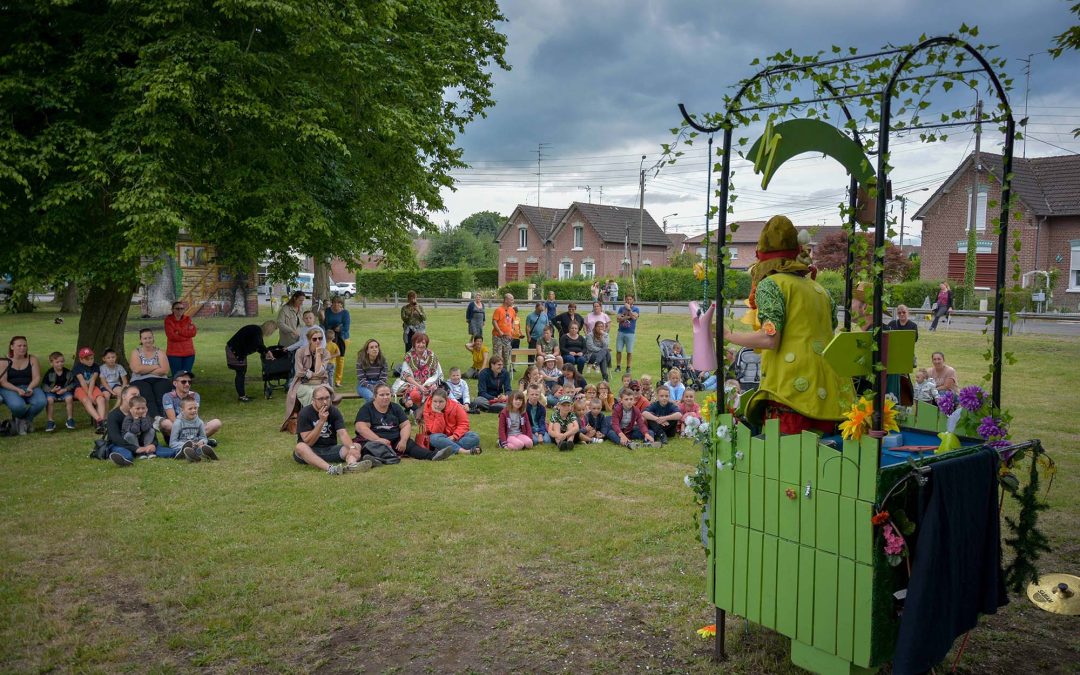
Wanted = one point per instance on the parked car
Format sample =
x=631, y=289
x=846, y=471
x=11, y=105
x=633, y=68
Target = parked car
x=345, y=289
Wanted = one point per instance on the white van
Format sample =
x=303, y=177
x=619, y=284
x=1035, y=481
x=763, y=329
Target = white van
x=304, y=281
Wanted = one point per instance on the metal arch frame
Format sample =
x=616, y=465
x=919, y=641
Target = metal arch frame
x=879, y=374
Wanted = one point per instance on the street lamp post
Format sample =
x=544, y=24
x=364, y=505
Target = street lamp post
x=670, y=215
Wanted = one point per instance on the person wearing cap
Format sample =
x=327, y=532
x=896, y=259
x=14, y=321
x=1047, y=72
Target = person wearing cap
x=550, y=374
x=180, y=333
x=794, y=322
x=172, y=405
x=564, y=426
x=91, y=391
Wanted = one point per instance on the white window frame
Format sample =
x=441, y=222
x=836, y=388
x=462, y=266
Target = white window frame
x=588, y=269
x=646, y=263
x=566, y=270
x=981, y=221
x=1074, y=266
x=579, y=237
x=523, y=238
x=734, y=251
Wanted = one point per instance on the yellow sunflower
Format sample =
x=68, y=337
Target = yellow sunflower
x=858, y=420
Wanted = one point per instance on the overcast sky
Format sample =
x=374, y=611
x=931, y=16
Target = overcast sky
x=599, y=81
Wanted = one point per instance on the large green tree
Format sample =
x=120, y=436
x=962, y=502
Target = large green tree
x=264, y=128
x=484, y=224
x=459, y=247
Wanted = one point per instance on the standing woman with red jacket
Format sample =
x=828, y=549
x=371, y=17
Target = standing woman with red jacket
x=179, y=331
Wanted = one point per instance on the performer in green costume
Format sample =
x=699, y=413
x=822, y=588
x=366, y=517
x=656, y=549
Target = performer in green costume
x=797, y=319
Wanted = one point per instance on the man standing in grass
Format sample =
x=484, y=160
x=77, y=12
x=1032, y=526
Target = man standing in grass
x=322, y=440
x=502, y=328
x=628, y=316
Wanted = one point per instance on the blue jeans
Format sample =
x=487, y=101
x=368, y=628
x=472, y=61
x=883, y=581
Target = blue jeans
x=367, y=394
x=178, y=363
x=613, y=435
x=578, y=361
x=469, y=441
x=24, y=408
x=161, y=451
x=709, y=384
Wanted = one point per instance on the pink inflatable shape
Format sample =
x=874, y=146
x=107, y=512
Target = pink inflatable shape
x=704, y=347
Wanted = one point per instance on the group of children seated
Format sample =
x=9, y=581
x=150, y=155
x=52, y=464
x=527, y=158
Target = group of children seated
x=90, y=383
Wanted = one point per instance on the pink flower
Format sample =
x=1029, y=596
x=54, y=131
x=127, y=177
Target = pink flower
x=894, y=543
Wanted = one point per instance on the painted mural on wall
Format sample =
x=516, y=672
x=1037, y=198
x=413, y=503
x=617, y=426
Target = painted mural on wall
x=190, y=273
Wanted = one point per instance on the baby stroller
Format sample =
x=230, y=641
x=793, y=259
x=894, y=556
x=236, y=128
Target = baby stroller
x=276, y=371
x=670, y=359
x=747, y=369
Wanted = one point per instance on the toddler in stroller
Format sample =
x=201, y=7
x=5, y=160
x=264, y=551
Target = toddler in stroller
x=672, y=355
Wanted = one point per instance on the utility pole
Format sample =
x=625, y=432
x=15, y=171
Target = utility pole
x=970, y=261
x=539, y=155
x=588, y=190
x=641, y=212
x=903, y=212
x=601, y=202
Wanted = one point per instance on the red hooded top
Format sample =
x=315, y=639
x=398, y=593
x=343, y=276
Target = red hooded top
x=452, y=421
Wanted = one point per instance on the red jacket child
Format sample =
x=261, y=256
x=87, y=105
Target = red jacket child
x=452, y=421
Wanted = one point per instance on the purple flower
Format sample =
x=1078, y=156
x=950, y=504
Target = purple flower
x=972, y=397
x=990, y=428
x=947, y=402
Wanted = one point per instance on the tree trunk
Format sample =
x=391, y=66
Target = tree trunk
x=104, y=317
x=321, y=290
x=69, y=298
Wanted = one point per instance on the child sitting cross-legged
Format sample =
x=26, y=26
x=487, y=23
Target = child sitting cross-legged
x=626, y=422
x=691, y=413
x=515, y=430
x=188, y=436
x=537, y=414
x=594, y=426
x=662, y=415
x=457, y=388
x=563, y=427
x=675, y=384
x=646, y=390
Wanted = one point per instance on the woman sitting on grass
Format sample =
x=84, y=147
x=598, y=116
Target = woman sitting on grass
x=371, y=370
x=383, y=422
x=446, y=425
x=420, y=373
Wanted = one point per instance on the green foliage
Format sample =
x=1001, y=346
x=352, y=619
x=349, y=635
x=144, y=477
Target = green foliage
x=264, y=128
x=666, y=284
x=573, y=289
x=428, y=283
x=913, y=293
x=1027, y=541
x=833, y=282
x=483, y=224
x=486, y=278
x=519, y=289
x=914, y=268
x=461, y=248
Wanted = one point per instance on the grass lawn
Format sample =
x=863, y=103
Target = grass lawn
x=536, y=561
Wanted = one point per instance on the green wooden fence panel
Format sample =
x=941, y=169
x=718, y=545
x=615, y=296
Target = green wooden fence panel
x=772, y=507
x=869, y=450
x=846, y=529
x=757, y=456
x=768, y=581
x=790, y=458
x=789, y=511
x=845, y=608
x=787, y=587
x=772, y=457
x=742, y=500
x=825, y=569
x=805, y=629
x=864, y=532
x=830, y=466
x=864, y=604
x=738, y=604
x=757, y=503
x=753, y=577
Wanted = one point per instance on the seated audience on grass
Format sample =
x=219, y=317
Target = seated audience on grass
x=138, y=428
x=336, y=318
x=308, y=318
x=662, y=415
x=59, y=385
x=493, y=387
x=322, y=439
x=589, y=391
x=675, y=384
x=691, y=412
x=607, y=399
x=627, y=424
x=479, y=354
x=535, y=324
x=547, y=346
x=550, y=374
x=563, y=427
x=647, y=393
x=597, y=351
x=121, y=450
x=537, y=414
x=170, y=403
x=310, y=365
x=945, y=377
x=572, y=382
x=568, y=318
x=446, y=425
x=188, y=436
x=371, y=369
x=530, y=376
x=20, y=386
x=384, y=422
x=515, y=427
x=572, y=347
x=925, y=389
x=627, y=378
x=420, y=373
x=595, y=425
x=245, y=342
x=150, y=372
x=91, y=390
x=114, y=376
x=458, y=388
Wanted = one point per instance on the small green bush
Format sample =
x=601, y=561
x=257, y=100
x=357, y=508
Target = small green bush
x=833, y=282
x=913, y=293
x=519, y=289
x=572, y=289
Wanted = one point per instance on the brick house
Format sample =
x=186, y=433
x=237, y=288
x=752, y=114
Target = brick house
x=582, y=240
x=744, y=241
x=1048, y=201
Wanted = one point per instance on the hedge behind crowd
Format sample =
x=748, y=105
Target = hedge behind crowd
x=428, y=283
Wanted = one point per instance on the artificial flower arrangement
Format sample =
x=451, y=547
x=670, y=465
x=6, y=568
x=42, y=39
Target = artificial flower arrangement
x=894, y=528
x=703, y=434
x=977, y=416
x=858, y=420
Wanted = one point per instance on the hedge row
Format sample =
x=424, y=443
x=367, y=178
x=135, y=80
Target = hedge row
x=486, y=278
x=429, y=283
x=663, y=284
